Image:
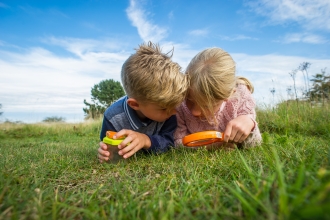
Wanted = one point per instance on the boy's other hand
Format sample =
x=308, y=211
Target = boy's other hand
x=133, y=142
x=238, y=129
x=103, y=153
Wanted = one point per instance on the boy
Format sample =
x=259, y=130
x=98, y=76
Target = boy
x=155, y=86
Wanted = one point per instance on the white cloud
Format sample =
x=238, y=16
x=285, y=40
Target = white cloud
x=182, y=53
x=310, y=14
x=304, y=38
x=264, y=69
x=147, y=31
x=237, y=37
x=199, y=32
x=58, y=13
x=171, y=15
x=81, y=47
x=2, y=5
x=40, y=81
x=91, y=26
x=32, y=11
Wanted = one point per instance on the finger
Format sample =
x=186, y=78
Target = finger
x=242, y=138
x=125, y=142
x=103, y=146
x=227, y=132
x=128, y=148
x=238, y=137
x=234, y=133
x=102, y=158
x=103, y=152
x=130, y=153
x=123, y=132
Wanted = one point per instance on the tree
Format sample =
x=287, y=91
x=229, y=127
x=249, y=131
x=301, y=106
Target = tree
x=0, y=108
x=103, y=95
x=320, y=90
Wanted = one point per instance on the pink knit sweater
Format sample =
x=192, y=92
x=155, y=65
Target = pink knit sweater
x=242, y=103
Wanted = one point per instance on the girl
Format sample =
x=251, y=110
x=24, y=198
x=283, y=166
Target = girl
x=218, y=100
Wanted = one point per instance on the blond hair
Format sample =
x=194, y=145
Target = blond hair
x=151, y=76
x=212, y=79
x=245, y=81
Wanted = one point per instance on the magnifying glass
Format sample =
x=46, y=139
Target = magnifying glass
x=202, y=138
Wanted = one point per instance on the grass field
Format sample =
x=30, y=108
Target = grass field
x=51, y=171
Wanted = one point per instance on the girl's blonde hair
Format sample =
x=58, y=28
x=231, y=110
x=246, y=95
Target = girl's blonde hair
x=212, y=77
x=245, y=81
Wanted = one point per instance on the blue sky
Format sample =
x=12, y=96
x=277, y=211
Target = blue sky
x=52, y=52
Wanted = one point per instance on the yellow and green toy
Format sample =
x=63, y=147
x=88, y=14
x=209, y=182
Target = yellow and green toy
x=108, y=139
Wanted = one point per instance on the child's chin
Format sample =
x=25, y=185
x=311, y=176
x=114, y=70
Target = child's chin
x=162, y=120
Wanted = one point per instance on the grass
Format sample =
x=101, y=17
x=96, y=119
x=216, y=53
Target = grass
x=51, y=171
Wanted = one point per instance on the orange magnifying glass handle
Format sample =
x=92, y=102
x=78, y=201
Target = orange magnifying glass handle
x=202, y=138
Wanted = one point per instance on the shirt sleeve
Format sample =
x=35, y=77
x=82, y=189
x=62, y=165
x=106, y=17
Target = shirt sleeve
x=164, y=140
x=106, y=126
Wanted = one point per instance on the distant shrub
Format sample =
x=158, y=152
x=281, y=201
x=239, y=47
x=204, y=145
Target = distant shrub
x=7, y=121
x=54, y=119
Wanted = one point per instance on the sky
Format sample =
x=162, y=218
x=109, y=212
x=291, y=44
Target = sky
x=52, y=52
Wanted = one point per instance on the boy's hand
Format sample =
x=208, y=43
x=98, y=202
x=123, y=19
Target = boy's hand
x=238, y=129
x=133, y=142
x=103, y=153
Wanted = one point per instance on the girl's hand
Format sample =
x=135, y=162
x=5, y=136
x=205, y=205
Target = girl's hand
x=238, y=129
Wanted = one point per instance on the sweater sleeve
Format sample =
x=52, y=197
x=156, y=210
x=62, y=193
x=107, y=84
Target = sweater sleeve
x=163, y=140
x=181, y=129
x=246, y=103
x=247, y=107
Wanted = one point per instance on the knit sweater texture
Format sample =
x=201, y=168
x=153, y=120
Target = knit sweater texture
x=241, y=103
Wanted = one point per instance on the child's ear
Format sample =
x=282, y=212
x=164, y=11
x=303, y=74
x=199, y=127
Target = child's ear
x=133, y=103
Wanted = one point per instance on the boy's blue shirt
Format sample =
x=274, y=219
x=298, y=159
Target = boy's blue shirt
x=120, y=116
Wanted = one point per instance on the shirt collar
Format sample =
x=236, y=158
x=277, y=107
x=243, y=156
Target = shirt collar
x=133, y=118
